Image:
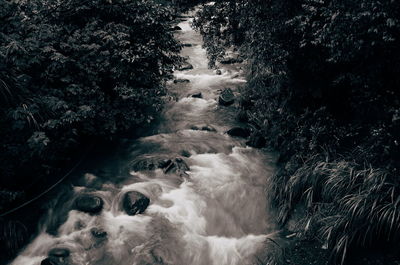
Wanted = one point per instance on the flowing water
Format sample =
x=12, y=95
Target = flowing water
x=215, y=213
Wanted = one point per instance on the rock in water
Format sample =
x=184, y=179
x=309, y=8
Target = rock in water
x=208, y=128
x=187, y=45
x=88, y=203
x=197, y=95
x=51, y=261
x=98, y=232
x=231, y=60
x=256, y=140
x=185, y=66
x=181, y=81
x=218, y=72
x=59, y=252
x=239, y=132
x=176, y=28
x=164, y=163
x=226, y=97
x=178, y=166
x=135, y=202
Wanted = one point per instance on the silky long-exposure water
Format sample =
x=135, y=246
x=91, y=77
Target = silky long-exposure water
x=215, y=212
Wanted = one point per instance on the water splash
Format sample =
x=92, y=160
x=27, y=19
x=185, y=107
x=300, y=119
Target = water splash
x=215, y=213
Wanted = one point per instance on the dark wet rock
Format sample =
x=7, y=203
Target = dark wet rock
x=88, y=203
x=98, y=232
x=164, y=163
x=235, y=76
x=145, y=164
x=59, y=252
x=176, y=28
x=51, y=261
x=150, y=163
x=256, y=140
x=185, y=153
x=242, y=116
x=218, y=72
x=181, y=81
x=208, y=128
x=187, y=45
x=239, y=132
x=178, y=166
x=197, y=95
x=185, y=66
x=226, y=97
x=230, y=60
x=135, y=202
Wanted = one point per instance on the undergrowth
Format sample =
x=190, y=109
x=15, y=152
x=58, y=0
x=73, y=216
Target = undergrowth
x=322, y=86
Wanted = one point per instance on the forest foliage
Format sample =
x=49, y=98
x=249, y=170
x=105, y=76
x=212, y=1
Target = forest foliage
x=323, y=83
x=72, y=72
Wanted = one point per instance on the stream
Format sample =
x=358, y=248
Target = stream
x=207, y=206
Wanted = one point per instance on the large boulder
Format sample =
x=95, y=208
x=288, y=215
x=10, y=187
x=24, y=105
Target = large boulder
x=185, y=66
x=88, y=203
x=150, y=163
x=256, y=140
x=226, y=97
x=178, y=166
x=135, y=202
x=239, y=132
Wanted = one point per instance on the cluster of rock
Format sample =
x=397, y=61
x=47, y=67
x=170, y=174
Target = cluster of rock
x=255, y=137
x=57, y=256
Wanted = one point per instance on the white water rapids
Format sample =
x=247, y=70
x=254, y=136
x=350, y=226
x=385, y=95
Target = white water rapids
x=217, y=214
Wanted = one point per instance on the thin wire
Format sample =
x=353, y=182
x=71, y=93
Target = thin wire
x=48, y=189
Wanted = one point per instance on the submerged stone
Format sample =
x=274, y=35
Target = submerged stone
x=197, y=95
x=135, y=202
x=185, y=66
x=218, y=72
x=59, y=252
x=88, y=203
x=98, y=232
x=226, y=97
x=51, y=261
x=239, y=132
x=231, y=60
x=181, y=81
x=208, y=128
x=185, y=153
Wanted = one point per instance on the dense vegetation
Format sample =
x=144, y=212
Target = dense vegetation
x=73, y=72
x=323, y=85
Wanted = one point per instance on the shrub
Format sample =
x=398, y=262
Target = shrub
x=77, y=70
x=323, y=81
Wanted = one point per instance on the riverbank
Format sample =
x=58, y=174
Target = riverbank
x=323, y=93
x=191, y=192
